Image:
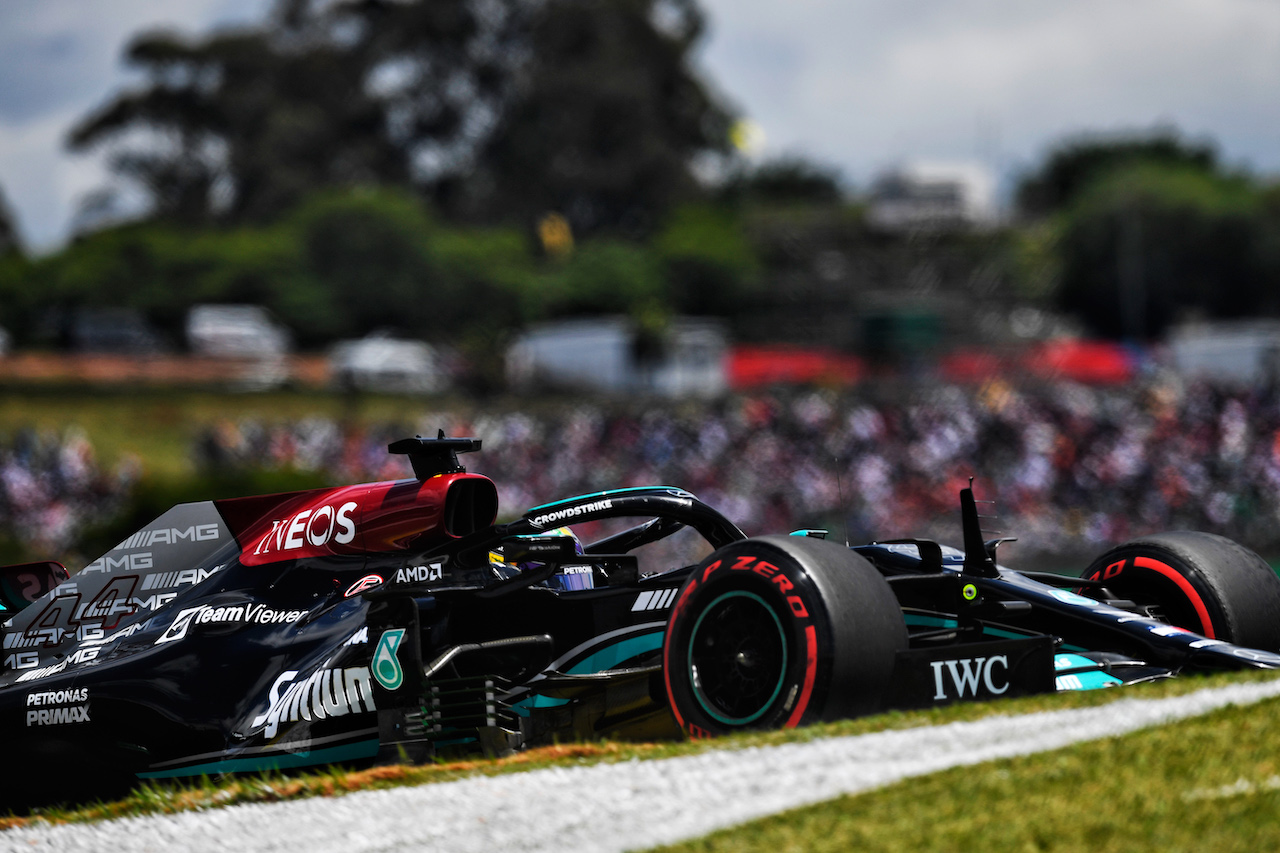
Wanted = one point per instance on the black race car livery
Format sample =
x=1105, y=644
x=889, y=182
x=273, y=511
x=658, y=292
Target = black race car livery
x=399, y=621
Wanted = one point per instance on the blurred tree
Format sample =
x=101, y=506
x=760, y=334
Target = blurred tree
x=368, y=253
x=502, y=109
x=708, y=261
x=604, y=121
x=1074, y=164
x=241, y=125
x=10, y=241
x=1143, y=245
x=788, y=180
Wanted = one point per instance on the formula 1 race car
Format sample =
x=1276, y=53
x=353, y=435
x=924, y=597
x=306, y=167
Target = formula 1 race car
x=397, y=621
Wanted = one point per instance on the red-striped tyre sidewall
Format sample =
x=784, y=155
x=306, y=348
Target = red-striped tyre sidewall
x=1200, y=581
x=835, y=615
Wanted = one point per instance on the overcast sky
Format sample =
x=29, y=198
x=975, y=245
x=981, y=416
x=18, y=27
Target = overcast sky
x=859, y=84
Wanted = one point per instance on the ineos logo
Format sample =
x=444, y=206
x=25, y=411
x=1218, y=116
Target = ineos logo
x=315, y=527
x=967, y=674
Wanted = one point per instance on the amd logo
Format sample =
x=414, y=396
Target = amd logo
x=965, y=675
x=420, y=574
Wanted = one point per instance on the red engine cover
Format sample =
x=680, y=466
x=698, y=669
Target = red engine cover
x=368, y=518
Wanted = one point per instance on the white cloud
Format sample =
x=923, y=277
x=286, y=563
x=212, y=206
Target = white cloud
x=58, y=60
x=867, y=84
x=861, y=84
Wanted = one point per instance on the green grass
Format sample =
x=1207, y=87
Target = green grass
x=158, y=427
x=1210, y=783
x=176, y=796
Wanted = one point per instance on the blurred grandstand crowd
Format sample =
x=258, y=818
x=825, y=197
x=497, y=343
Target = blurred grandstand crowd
x=1070, y=468
x=51, y=488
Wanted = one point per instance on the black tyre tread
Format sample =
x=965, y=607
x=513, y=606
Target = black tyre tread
x=1245, y=588
x=867, y=625
x=864, y=628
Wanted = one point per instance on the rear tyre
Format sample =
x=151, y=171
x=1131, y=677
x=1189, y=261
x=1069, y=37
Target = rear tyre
x=780, y=631
x=1199, y=581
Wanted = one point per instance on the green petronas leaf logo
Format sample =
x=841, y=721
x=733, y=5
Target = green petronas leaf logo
x=386, y=666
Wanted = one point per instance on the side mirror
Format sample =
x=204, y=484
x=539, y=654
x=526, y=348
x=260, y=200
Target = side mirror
x=24, y=583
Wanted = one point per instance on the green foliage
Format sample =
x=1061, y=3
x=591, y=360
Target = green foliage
x=343, y=263
x=367, y=254
x=604, y=121
x=605, y=277
x=10, y=242
x=503, y=110
x=1076, y=163
x=1144, y=244
x=788, y=180
x=17, y=301
x=710, y=265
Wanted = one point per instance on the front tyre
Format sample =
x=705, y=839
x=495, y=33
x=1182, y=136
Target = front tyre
x=780, y=631
x=1199, y=581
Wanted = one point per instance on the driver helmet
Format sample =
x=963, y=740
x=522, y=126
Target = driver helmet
x=569, y=577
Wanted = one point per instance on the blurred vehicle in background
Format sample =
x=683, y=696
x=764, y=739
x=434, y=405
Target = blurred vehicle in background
x=382, y=362
x=933, y=195
x=1242, y=354
x=609, y=354
x=112, y=330
x=236, y=331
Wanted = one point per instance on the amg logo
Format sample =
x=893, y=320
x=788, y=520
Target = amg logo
x=101, y=639
x=551, y=519
x=169, y=536
x=655, y=599
x=130, y=562
x=327, y=693
x=167, y=580
x=37, y=638
x=22, y=660
x=154, y=602
x=43, y=671
x=967, y=674
x=420, y=574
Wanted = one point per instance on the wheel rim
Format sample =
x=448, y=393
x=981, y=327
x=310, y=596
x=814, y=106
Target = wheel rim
x=737, y=658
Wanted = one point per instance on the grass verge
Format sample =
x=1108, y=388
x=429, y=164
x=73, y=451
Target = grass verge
x=1207, y=783
x=172, y=797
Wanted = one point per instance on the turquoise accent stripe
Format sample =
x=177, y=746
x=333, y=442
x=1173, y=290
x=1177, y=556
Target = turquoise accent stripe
x=1091, y=680
x=610, y=656
x=329, y=755
x=605, y=494
x=929, y=621
x=605, y=659
x=1086, y=681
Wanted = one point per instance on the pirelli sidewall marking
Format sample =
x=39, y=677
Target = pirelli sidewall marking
x=1164, y=569
x=794, y=595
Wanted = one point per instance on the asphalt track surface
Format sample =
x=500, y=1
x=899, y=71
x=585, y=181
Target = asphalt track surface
x=616, y=807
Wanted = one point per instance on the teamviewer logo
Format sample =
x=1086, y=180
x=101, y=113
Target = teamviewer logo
x=181, y=623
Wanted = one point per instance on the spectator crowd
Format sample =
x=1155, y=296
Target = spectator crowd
x=52, y=488
x=1070, y=468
